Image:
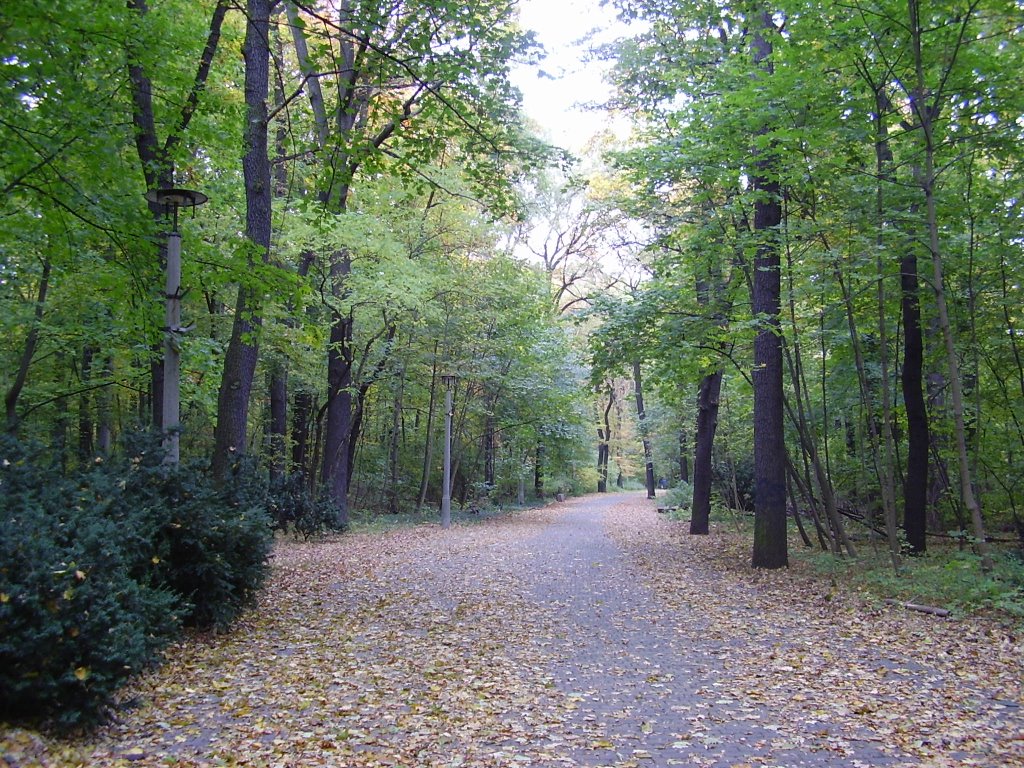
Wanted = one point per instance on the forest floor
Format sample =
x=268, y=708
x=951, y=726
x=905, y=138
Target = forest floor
x=589, y=633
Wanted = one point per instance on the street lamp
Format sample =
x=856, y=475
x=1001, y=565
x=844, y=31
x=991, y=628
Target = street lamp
x=446, y=491
x=172, y=200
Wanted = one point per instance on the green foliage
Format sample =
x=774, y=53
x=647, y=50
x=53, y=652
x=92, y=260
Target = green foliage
x=209, y=545
x=98, y=571
x=945, y=577
x=292, y=507
x=680, y=496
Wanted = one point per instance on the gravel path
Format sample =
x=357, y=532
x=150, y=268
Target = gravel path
x=645, y=676
x=589, y=633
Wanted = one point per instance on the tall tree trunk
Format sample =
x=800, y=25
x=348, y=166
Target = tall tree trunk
x=338, y=426
x=302, y=424
x=104, y=409
x=915, y=483
x=489, y=451
x=243, y=349
x=704, y=439
x=277, y=442
x=155, y=158
x=538, y=471
x=641, y=415
x=770, y=546
x=604, y=434
x=882, y=465
x=393, y=452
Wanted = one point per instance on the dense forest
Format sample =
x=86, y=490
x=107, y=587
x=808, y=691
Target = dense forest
x=250, y=252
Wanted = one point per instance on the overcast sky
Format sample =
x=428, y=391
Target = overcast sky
x=554, y=91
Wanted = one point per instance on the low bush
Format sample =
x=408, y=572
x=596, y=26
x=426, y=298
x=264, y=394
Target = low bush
x=293, y=508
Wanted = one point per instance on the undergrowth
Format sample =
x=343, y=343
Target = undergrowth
x=945, y=577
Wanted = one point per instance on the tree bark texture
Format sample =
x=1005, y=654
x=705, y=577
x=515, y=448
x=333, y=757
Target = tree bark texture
x=243, y=348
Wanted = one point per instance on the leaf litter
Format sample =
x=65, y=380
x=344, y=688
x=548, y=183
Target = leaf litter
x=529, y=640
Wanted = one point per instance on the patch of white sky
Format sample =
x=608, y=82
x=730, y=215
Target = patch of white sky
x=563, y=95
x=563, y=91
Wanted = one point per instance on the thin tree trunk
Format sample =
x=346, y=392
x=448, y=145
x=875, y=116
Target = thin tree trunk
x=684, y=457
x=926, y=113
x=104, y=409
x=604, y=435
x=641, y=415
x=278, y=432
x=85, y=419
x=707, y=423
x=882, y=465
x=428, y=448
x=538, y=471
x=393, y=452
x=808, y=441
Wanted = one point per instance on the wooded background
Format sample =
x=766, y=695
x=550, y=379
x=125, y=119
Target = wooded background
x=814, y=229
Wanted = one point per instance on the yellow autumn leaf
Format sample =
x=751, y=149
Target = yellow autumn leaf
x=82, y=673
x=4, y=597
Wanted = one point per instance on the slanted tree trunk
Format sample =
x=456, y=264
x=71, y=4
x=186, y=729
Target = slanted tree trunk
x=770, y=546
x=27, y=352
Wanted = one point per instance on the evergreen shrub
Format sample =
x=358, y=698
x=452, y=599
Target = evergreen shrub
x=74, y=623
x=99, y=571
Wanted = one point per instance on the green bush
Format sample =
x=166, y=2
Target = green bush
x=97, y=572
x=74, y=624
x=293, y=508
x=209, y=545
